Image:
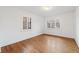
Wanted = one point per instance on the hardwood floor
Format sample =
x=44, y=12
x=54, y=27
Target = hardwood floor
x=43, y=44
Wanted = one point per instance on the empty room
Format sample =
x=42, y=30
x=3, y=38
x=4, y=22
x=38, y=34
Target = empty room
x=39, y=29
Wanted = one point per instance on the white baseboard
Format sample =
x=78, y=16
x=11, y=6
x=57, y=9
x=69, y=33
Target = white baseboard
x=59, y=35
x=77, y=42
x=22, y=39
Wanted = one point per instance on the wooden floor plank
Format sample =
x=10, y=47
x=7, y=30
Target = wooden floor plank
x=43, y=44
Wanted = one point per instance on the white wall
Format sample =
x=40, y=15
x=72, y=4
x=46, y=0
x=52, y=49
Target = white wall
x=77, y=25
x=67, y=25
x=11, y=25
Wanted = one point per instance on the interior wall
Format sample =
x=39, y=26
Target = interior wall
x=77, y=25
x=67, y=25
x=11, y=25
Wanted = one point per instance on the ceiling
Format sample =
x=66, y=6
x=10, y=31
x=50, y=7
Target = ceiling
x=55, y=10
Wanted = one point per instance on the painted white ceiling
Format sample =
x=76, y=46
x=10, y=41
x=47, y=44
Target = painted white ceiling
x=54, y=11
